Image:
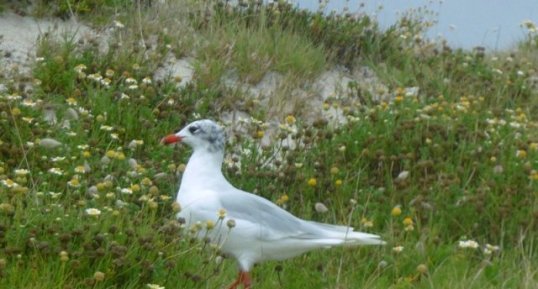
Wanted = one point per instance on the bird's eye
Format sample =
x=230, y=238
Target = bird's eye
x=193, y=129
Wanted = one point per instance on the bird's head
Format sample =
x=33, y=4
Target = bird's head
x=200, y=134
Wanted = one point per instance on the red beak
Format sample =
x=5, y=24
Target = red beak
x=170, y=139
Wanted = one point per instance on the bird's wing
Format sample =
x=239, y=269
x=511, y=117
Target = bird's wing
x=273, y=221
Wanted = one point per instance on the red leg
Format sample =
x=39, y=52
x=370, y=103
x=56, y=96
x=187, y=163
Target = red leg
x=235, y=283
x=245, y=278
x=242, y=278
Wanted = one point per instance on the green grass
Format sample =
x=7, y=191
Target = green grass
x=468, y=141
x=253, y=49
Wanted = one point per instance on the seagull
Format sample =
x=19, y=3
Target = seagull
x=245, y=226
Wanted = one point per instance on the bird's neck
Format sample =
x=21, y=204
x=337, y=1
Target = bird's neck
x=203, y=170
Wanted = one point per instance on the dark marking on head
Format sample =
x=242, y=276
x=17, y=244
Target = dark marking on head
x=193, y=129
x=212, y=133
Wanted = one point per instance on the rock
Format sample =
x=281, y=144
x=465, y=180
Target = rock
x=180, y=69
x=49, y=143
x=20, y=34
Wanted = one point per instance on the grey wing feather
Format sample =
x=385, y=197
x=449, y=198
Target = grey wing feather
x=275, y=222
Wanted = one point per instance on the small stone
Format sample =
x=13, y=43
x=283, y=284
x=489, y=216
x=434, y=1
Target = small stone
x=321, y=208
x=71, y=114
x=403, y=175
x=49, y=143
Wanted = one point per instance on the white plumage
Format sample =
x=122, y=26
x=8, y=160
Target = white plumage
x=263, y=230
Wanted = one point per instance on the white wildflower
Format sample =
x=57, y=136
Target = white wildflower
x=468, y=244
x=56, y=171
x=54, y=195
x=106, y=128
x=80, y=68
x=9, y=183
x=57, y=159
x=118, y=24
x=126, y=191
x=146, y=80
x=489, y=249
x=21, y=172
x=398, y=249
x=28, y=103
x=131, y=80
x=93, y=212
x=95, y=77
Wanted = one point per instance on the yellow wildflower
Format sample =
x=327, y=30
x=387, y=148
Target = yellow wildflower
x=396, y=211
x=408, y=221
x=80, y=169
x=135, y=187
x=15, y=111
x=71, y=101
x=209, y=225
x=74, y=182
x=282, y=200
x=99, y=276
x=290, y=119
x=334, y=170
x=422, y=269
x=176, y=207
x=534, y=175
x=64, y=256
x=521, y=154
x=367, y=223
x=153, y=190
x=146, y=181
x=221, y=213
x=153, y=205
x=120, y=156
x=259, y=134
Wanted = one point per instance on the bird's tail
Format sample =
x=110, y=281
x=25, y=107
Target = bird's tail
x=345, y=235
x=359, y=238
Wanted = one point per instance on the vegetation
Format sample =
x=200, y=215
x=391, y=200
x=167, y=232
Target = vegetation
x=446, y=170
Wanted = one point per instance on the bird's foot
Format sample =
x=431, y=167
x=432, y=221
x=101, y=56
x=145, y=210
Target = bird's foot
x=242, y=278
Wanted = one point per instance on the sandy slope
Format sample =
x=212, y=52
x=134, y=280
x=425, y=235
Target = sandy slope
x=19, y=35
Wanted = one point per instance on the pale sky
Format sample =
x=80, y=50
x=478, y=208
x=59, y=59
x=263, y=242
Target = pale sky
x=494, y=24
